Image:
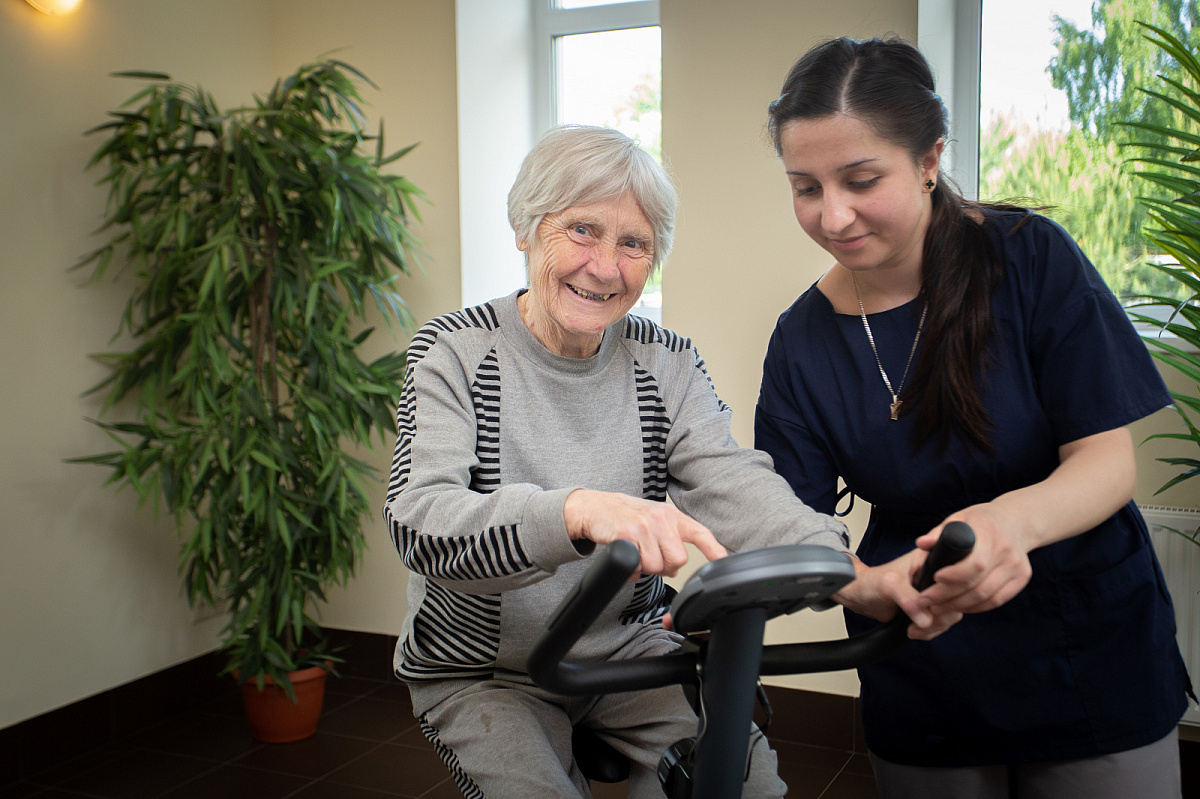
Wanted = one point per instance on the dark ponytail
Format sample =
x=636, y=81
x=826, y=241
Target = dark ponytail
x=887, y=84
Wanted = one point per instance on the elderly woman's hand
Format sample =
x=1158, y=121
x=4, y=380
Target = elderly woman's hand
x=657, y=529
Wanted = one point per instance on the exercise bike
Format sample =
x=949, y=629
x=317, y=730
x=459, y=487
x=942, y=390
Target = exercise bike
x=731, y=598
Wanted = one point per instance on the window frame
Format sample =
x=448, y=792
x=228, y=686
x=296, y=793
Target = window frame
x=550, y=22
x=950, y=35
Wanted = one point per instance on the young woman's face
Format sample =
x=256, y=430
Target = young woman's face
x=860, y=197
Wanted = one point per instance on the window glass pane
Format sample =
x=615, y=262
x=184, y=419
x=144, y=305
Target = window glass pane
x=1017, y=45
x=1049, y=127
x=614, y=79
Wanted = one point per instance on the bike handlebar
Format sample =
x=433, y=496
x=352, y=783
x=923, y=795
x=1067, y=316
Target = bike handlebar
x=618, y=563
x=955, y=543
x=575, y=614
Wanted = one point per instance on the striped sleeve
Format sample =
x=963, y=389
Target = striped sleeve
x=730, y=489
x=447, y=514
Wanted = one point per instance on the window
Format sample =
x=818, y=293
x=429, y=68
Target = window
x=504, y=50
x=591, y=58
x=1054, y=88
x=600, y=63
x=612, y=78
x=948, y=35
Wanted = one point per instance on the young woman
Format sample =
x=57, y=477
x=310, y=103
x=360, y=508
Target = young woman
x=965, y=361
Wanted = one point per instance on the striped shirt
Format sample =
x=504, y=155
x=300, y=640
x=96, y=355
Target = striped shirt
x=495, y=431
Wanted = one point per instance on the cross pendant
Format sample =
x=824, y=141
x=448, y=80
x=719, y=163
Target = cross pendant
x=895, y=410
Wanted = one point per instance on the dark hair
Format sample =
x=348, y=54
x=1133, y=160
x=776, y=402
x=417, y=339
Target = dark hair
x=888, y=85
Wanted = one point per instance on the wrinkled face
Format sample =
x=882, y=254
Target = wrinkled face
x=587, y=267
x=860, y=197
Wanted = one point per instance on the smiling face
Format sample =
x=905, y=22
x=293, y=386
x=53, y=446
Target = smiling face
x=860, y=197
x=587, y=267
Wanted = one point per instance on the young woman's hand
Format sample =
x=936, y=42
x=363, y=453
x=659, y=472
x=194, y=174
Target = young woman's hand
x=995, y=571
x=878, y=591
x=1096, y=475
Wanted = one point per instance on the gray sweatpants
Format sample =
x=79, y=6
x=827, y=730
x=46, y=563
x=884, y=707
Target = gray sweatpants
x=1148, y=772
x=503, y=739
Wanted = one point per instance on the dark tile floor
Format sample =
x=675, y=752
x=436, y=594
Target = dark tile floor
x=368, y=747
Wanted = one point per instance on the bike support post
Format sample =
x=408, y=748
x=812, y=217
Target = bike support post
x=730, y=676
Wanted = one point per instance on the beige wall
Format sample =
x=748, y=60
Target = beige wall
x=89, y=595
x=87, y=585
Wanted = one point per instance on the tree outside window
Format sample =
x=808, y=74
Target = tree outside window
x=1075, y=161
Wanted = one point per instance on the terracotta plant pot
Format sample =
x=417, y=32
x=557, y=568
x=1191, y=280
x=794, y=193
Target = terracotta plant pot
x=276, y=719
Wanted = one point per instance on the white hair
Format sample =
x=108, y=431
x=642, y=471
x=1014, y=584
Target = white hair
x=578, y=165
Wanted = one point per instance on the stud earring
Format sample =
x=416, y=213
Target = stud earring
x=929, y=185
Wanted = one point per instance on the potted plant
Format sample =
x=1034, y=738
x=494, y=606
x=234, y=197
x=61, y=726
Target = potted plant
x=1170, y=161
x=260, y=237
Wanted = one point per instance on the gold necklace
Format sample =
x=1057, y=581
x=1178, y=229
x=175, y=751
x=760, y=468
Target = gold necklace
x=871, y=338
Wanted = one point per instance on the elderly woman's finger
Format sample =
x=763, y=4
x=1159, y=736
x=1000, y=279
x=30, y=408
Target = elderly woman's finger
x=699, y=536
x=659, y=530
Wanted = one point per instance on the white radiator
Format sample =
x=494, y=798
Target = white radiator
x=1180, y=561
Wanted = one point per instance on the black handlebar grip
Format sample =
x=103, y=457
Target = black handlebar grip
x=955, y=543
x=572, y=618
x=581, y=607
x=602, y=582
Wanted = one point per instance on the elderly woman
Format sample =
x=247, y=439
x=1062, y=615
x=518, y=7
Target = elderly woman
x=542, y=424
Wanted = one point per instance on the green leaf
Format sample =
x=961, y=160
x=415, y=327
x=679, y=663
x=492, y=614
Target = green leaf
x=266, y=460
x=141, y=75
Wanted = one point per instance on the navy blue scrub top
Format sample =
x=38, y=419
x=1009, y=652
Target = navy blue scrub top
x=1082, y=662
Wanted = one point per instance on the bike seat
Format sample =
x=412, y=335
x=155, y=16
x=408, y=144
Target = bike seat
x=598, y=761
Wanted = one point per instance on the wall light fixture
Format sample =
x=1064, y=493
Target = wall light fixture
x=54, y=6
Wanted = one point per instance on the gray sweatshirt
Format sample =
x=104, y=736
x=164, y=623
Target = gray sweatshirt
x=495, y=431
